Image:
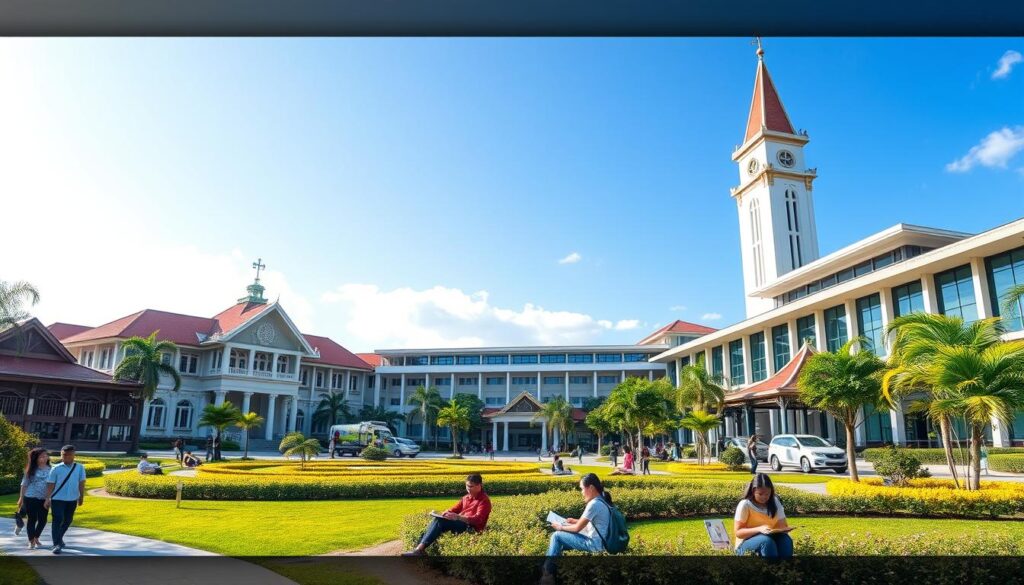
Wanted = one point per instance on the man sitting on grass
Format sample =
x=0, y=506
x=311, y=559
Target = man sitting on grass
x=469, y=515
x=147, y=468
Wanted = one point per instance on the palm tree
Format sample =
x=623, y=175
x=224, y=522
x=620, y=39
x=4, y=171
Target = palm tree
x=247, y=422
x=700, y=422
x=297, y=444
x=557, y=413
x=13, y=296
x=597, y=422
x=220, y=418
x=840, y=384
x=637, y=402
x=1012, y=299
x=427, y=402
x=456, y=417
x=333, y=408
x=916, y=339
x=699, y=389
x=379, y=413
x=143, y=362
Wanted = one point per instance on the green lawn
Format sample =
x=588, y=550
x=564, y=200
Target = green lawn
x=14, y=571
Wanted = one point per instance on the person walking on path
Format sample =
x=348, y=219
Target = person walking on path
x=645, y=461
x=179, y=449
x=65, y=492
x=614, y=452
x=579, y=453
x=209, y=448
x=33, y=494
x=752, y=452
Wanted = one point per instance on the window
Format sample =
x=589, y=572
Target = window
x=85, y=358
x=907, y=299
x=495, y=359
x=608, y=379
x=579, y=379
x=496, y=380
x=216, y=358
x=261, y=363
x=396, y=402
x=835, y=328
x=420, y=360
x=304, y=377
x=494, y=401
x=183, y=415
x=85, y=432
x=877, y=425
x=634, y=357
x=758, y=360
x=609, y=358
x=805, y=330
x=443, y=382
x=523, y=380
x=156, y=413
x=47, y=430
x=120, y=433
x=524, y=359
x=1005, y=271
x=11, y=404
x=414, y=382
x=780, y=346
x=468, y=381
x=188, y=363
x=684, y=361
x=442, y=360
x=468, y=360
x=300, y=420
x=755, y=239
x=88, y=408
x=553, y=379
x=237, y=359
x=717, y=363
x=283, y=364
x=104, y=359
x=956, y=294
x=862, y=268
x=396, y=381
x=869, y=322
x=319, y=379
x=353, y=384
x=796, y=259
x=581, y=358
x=576, y=401
x=553, y=358
x=736, y=373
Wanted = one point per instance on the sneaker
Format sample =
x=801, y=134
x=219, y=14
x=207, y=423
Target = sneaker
x=57, y=549
x=17, y=530
x=413, y=553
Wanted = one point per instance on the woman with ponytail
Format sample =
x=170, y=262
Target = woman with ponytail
x=587, y=533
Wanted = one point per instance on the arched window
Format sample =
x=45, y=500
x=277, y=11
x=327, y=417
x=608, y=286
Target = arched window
x=50, y=405
x=88, y=408
x=156, y=413
x=238, y=359
x=282, y=364
x=261, y=363
x=183, y=415
x=756, y=245
x=793, y=223
x=12, y=404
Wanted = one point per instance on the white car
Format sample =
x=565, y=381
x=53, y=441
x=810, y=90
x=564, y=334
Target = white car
x=806, y=452
x=400, y=447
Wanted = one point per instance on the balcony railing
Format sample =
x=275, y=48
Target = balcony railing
x=238, y=371
x=262, y=374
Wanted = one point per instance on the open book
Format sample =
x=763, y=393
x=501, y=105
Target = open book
x=555, y=518
x=781, y=530
x=436, y=514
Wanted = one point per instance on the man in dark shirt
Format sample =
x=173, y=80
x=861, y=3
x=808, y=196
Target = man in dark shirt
x=470, y=514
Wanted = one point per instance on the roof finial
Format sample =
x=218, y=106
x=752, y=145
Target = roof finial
x=760, y=50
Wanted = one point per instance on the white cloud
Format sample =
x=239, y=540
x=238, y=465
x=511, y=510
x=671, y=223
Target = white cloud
x=677, y=308
x=994, y=150
x=450, y=317
x=1006, y=63
x=571, y=258
x=711, y=316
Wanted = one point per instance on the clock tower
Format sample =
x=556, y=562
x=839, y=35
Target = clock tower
x=776, y=210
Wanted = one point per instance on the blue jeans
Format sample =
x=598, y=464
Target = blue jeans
x=769, y=546
x=439, y=526
x=63, y=513
x=561, y=541
x=753, y=464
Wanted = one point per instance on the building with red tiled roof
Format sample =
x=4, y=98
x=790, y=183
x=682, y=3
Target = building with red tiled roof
x=676, y=333
x=44, y=391
x=64, y=330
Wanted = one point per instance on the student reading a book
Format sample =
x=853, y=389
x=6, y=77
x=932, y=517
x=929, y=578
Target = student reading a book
x=587, y=533
x=760, y=522
x=469, y=515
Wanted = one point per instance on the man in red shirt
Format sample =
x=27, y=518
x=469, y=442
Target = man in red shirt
x=470, y=514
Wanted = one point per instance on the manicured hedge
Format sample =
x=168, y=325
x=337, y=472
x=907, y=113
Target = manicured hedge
x=1008, y=462
x=933, y=456
x=12, y=484
x=361, y=468
x=933, y=497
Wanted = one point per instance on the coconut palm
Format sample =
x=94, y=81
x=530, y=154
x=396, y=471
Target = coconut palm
x=1011, y=301
x=427, y=402
x=143, y=362
x=700, y=422
x=456, y=418
x=13, y=297
x=247, y=422
x=916, y=339
x=333, y=409
x=297, y=444
x=637, y=402
x=220, y=418
x=557, y=413
x=840, y=384
x=699, y=389
x=381, y=414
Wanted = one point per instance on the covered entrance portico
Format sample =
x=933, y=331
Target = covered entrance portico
x=515, y=427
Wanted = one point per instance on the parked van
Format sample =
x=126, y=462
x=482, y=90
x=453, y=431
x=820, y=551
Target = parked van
x=353, y=438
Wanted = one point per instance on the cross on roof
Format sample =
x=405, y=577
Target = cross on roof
x=760, y=49
x=258, y=265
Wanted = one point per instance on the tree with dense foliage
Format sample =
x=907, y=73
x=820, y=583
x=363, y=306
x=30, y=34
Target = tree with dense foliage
x=333, y=409
x=143, y=362
x=381, y=414
x=841, y=383
x=475, y=407
x=456, y=418
x=248, y=422
x=427, y=401
x=700, y=422
x=598, y=423
x=557, y=414
x=297, y=444
x=700, y=393
x=637, y=402
x=220, y=418
x=14, y=446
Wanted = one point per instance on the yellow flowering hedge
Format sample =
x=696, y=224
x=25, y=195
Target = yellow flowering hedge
x=358, y=468
x=93, y=467
x=934, y=497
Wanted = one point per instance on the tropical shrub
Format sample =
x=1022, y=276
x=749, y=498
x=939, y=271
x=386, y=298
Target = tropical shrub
x=372, y=453
x=1008, y=462
x=899, y=466
x=933, y=497
x=733, y=458
x=689, y=452
x=933, y=456
x=14, y=445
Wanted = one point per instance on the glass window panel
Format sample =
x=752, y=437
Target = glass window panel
x=869, y=322
x=736, y=372
x=780, y=346
x=758, y=361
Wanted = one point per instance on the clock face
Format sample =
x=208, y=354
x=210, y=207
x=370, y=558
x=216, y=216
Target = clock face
x=752, y=166
x=786, y=158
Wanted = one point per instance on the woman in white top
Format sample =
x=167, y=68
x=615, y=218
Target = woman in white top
x=586, y=533
x=33, y=493
x=760, y=522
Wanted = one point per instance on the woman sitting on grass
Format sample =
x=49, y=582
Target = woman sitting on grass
x=585, y=534
x=760, y=522
x=558, y=467
x=627, y=463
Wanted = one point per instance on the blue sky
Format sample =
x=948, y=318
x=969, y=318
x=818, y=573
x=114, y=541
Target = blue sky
x=387, y=182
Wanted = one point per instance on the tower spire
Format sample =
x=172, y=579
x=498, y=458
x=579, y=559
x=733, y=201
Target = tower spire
x=766, y=110
x=255, y=289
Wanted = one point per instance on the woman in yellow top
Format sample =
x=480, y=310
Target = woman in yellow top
x=760, y=522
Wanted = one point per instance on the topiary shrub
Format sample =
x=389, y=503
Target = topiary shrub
x=898, y=466
x=689, y=452
x=733, y=458
x=374, y=454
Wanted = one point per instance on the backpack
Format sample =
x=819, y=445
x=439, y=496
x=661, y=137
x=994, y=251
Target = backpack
x=617, y=540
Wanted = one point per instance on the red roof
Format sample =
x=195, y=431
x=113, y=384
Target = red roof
x=180, y=329
x=333, y=354
x=371, y=359
x=677, y=326
x=766, y=106
x=781, y=384
x=234, y=316
x=65, y=330
x=52, y=369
